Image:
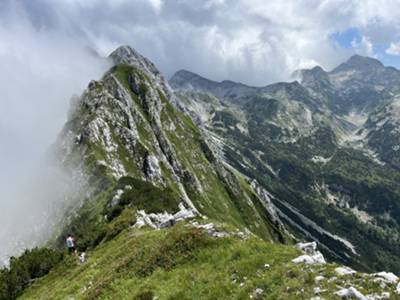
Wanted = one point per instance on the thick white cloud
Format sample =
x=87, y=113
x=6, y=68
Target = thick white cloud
x=256, y=41
x=394, y=49
x=363, y=46
x=39, y=72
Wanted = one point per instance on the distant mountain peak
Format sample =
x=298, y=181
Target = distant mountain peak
x=127, y=55
x=187, y=79
x=359, y=63
x=356, y=58
x=186, y=75
x=317, y=69
x=184, y=79
x=308, y=77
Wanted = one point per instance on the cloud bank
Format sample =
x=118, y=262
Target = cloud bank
x=256, y=42
x=39, y=72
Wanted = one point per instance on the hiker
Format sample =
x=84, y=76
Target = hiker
x=71, y=244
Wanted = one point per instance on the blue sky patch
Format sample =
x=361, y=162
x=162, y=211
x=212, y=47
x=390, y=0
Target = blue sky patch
x=345, y=38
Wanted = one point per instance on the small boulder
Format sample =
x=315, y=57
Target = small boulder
x=317, y=258
x=318, y=290
x=388, y=277
x=257, y=293
x=343, y=271
x=82, y=257
x=351, y=292
x=307, y=248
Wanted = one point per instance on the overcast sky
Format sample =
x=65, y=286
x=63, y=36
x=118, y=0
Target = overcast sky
x=45, y=55
x=253, y=41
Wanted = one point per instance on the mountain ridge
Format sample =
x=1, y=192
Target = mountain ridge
x=309, y=142
x=214, y=185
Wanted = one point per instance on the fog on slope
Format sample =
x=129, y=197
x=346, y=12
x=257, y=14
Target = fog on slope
x=38, y=75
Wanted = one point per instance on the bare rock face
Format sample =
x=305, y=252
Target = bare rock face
x=129, y=56
x=152, y=169
x=128, y=125
x=105, y=125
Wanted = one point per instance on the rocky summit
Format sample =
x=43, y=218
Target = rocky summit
x=196, y=189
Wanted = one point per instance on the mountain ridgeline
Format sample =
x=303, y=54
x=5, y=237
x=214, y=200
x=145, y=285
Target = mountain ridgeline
x=231, y=176
x=140, y=153
x=326, y=147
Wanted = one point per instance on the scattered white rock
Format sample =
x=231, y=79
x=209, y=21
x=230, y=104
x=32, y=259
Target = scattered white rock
x=258, y=292
x=311, y=256
x=332, y=279
x=398, y=289
x=243, y=235
x=162, y=220
x=210, y=229
x=318, y=290
x=320, y=159
x=307, y=248
x=316, y=298
x=388, y=277
x=343, y=271
x=350, y=292
x=317, y=258
x=184, y=213
x=375, y=296
x=385, y=295
x=82, y=257
x=319, y=278
x=381, y=281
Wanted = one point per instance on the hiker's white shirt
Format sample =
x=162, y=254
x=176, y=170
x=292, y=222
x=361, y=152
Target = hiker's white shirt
x=70, y=242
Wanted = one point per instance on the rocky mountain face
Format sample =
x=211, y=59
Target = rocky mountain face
x=137, y=152
x=324, y=147
x=382, y=131
x=359, y=85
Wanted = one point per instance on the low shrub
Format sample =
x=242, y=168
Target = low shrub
x=23, y=270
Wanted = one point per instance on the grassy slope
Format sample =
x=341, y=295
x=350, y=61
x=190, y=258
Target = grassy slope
x=184, y=263
x=116, y=265
x=372, y=188
x=216, y=200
